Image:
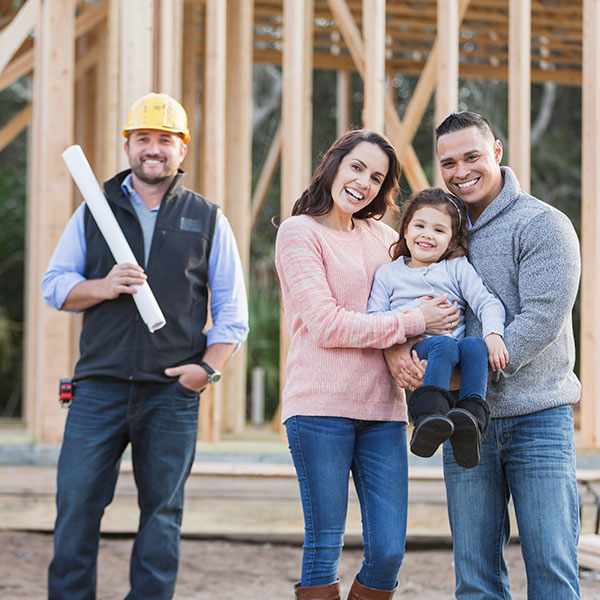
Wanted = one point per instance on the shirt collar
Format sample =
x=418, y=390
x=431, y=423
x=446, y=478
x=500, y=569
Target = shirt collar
x=128, y=190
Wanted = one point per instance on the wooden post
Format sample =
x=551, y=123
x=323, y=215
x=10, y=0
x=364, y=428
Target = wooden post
x=296, y=122
x=446, y=96
x=240, y=38
x=109, y=123
x=48, y=332
x=343, y=95
x=214, y=161
x=519, y=90
x=136, y=56
x=190, y=92
x=373, y=26
x=590, y=225
x=168, y=28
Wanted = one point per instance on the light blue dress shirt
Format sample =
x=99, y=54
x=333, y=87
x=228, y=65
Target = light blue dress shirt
x=228, y=300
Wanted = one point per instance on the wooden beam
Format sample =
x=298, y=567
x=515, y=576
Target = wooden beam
x=215, y=158
x=109, y=125
x=412, y=167
x=48, y=355
x=519, y=90
x=15, y=33
x=240, y=30
x=191, y=92
x=422, y=94
x=168, y=23
x=374, y=75
x=266, y=177
x=590, y=227
x=446, y=95
x=14, y=127
x=343, y=101
x=136, y=67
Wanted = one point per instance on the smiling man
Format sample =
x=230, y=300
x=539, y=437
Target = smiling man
x=527, y=254
x=132, y=386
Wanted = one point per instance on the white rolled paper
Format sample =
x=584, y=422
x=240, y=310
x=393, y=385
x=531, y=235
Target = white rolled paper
x=82, y=174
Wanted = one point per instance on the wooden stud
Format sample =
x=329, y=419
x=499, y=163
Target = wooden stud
x=214, y=161
x=136, y=56
x=266, y=177
x=190, y=92
x=168, y=22
x=240, y=38
x=48, y=332
x=14, y=34
x=446, y=96
x=590, y=227
x=519, y=90
x=373, y=116
x=14, y=127
x=343, y=101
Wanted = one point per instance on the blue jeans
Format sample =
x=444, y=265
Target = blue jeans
x=325, y=450
x=161, y=422
x=444, y=352
x=532, y=458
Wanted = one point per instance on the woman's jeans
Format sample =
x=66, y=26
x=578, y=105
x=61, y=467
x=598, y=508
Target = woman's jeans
x=325, y=450
x=532, y=459
x=443, y=353
x=161, y=422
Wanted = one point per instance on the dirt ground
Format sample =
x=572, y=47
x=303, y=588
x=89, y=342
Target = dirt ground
x=228, y=570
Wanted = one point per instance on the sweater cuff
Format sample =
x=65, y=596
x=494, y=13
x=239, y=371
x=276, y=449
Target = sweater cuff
x=413, y=321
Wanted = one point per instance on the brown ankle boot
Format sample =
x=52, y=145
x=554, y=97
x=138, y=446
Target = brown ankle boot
x=319, y=592
x=361, y=592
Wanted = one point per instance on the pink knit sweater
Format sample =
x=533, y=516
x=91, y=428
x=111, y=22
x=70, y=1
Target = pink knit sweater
x=335, y=366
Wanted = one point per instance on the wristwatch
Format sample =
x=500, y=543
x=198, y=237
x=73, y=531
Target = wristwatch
x=213, y=374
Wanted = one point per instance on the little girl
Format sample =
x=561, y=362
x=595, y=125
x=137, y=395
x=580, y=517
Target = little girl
x=428, y=260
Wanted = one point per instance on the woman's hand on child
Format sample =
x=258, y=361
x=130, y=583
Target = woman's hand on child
x=404, y=365
x=440, y=316
x=497, y=352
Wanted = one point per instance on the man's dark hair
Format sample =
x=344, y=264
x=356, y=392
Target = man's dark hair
x=463, y=120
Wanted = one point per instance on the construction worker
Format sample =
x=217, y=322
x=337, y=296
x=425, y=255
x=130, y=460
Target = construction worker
x=132, y=386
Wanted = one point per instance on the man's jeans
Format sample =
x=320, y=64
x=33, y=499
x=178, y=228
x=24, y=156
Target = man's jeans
x=443, y=353
x=532, y=458
x=325, y=450
x=161, y=422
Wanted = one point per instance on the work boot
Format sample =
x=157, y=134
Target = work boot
x=427, y=408
x=471, y=418
x=360, y=592
x=319, y=592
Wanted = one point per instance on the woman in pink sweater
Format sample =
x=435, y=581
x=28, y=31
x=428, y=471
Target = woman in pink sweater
x=342, y=409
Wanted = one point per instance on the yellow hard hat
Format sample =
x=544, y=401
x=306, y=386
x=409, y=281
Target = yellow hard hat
x=157, y=111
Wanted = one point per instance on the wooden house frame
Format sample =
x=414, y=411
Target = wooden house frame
x=90, y=59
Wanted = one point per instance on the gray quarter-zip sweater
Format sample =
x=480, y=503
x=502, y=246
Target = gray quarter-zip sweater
x=527, y=254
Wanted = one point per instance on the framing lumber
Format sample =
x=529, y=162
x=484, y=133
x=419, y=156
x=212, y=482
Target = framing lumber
x=373, y=115
x=50, y=204
x=446, y=95
x=590, y=226
x=15, y=33
x=215, y=97
x=343, y=104
x=266, y=177
x=14, y=127
x=240, y=21
x=519, y=91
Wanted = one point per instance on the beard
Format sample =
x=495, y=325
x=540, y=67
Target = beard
x=137, y=167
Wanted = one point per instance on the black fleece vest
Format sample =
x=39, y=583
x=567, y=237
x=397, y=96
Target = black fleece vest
x=115, y=342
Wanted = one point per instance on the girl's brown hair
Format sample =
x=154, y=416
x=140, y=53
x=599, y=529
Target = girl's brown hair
x=316, y=200
x=450, y=204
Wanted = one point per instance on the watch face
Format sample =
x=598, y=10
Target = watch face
x=214, y=377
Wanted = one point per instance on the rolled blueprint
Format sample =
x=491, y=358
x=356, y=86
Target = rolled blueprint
x=82, y=174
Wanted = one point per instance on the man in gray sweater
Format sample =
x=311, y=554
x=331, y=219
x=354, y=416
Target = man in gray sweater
x=527, y=254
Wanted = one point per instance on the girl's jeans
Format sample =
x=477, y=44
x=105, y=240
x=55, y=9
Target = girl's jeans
x=325, y=450
x=444, y=352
